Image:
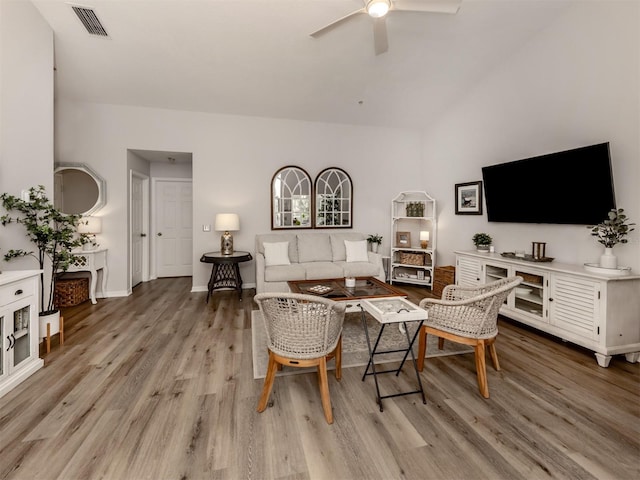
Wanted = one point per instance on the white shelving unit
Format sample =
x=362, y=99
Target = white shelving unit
x=412, y=213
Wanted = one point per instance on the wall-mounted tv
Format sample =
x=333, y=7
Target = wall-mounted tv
x=570, y=187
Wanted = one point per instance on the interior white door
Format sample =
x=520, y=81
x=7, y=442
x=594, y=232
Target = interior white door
x=138, y=230
x=174, y=228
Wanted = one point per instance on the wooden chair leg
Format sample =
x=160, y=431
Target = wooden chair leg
x=339, y=359
x=268, y=383
x=324, y=390
x=481, y=369
x=440, y=343
x=493, y=352
x=422, y=348
x=61, y=330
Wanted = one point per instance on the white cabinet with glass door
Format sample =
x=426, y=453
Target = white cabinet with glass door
x=18, y=327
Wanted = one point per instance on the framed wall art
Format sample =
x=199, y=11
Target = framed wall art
x=469, y=198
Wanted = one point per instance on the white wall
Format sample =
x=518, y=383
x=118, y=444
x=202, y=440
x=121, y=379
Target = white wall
x=575, y=84
x=26, y=113
x=234, y=159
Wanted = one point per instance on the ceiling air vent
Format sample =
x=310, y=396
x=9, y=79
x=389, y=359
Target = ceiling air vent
x=90, y=21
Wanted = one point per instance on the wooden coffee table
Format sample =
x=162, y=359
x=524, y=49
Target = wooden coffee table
x=335, y=289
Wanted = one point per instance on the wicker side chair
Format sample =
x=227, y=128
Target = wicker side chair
x=467, y=315
x=302, y=331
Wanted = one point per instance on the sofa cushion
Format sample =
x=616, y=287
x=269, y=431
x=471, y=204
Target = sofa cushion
x=279, y=237
x=314, y=248
x=339, y=252
x=284, y=273
x=276, y=253
x=356, y=251
x=359, y=269
x=318, y=270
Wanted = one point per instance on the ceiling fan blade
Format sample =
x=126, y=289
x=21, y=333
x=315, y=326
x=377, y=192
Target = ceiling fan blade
x=332, y=25
x=380, y=41
x=432, y=6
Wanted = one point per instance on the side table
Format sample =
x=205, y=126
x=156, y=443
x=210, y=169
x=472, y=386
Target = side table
x=386, y=311
x=91, y=261
x=225, y=272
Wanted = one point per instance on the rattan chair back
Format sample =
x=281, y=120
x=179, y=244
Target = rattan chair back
x=301, y=326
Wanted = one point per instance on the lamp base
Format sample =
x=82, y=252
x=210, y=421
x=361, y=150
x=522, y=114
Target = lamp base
x=226, y=243
x=424, y=243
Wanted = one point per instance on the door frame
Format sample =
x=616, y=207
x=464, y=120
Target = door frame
x=145, y=223
x=154, y=224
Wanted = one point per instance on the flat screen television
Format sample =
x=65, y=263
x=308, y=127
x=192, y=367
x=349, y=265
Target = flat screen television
x=571, y=187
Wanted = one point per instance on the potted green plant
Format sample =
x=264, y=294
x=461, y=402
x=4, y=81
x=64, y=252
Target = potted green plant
x=54, y=235
x=482, y=241
x=374, y=241
x=609, y=233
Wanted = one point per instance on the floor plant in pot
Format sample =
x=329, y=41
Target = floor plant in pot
x=482, y=241
x=54, y=235
x=610, y=232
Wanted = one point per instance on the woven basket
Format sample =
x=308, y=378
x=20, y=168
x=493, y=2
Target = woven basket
x=529, y=278
x=412, y=258
x=442, y=277
x=71, y=292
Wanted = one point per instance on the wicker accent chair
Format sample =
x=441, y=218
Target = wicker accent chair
x=467, y=315
x=302, y=331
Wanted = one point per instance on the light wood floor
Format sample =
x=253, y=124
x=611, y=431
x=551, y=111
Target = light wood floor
x=159, y=385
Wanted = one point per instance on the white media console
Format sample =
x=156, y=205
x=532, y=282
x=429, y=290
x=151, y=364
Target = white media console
x=597, y=311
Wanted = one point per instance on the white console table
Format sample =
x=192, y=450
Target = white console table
x=594, y=310
x=91, y=261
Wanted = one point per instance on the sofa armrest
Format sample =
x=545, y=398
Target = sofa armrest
x=260, y=267
x=376, y=259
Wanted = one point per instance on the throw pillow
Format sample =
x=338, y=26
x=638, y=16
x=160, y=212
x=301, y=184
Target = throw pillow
x=276, y=254
x=356, y=251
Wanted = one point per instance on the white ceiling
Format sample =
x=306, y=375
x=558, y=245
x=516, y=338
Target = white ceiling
x=255, y=57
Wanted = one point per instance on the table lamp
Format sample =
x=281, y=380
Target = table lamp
x=424, y=239
x=90, y=226
x=227, y=222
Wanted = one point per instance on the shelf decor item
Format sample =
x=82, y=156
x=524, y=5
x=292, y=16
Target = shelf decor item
x=609, y=233
x=482, y=241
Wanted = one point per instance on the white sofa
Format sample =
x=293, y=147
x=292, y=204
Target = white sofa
x=312, y=255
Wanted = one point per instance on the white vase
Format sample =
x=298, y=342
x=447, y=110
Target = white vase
x=608, y=259
x=374, y=247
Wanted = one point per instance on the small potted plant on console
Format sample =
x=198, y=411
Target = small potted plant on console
x=374, y=240
x=482, y=241
x=609, y=233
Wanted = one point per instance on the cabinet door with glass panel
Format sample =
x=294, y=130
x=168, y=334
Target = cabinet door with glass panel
x=530, y=296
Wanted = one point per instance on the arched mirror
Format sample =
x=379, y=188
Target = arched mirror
x=334, y=199
x=290, y=199
x=78, y=190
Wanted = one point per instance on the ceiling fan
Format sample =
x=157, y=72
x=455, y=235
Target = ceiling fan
x=378, y=9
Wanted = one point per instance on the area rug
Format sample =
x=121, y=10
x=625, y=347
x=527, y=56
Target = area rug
x=354, y=344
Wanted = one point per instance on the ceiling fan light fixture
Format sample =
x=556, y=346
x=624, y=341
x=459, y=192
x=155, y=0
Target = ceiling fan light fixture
x=378, y=8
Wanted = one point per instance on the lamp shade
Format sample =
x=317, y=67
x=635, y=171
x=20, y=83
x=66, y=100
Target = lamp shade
x=227, y=222
x=424, y=235
x=90, y=225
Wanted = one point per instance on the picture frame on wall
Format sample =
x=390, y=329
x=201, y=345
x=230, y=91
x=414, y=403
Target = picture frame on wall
x=403, y=239
x=468, y=198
